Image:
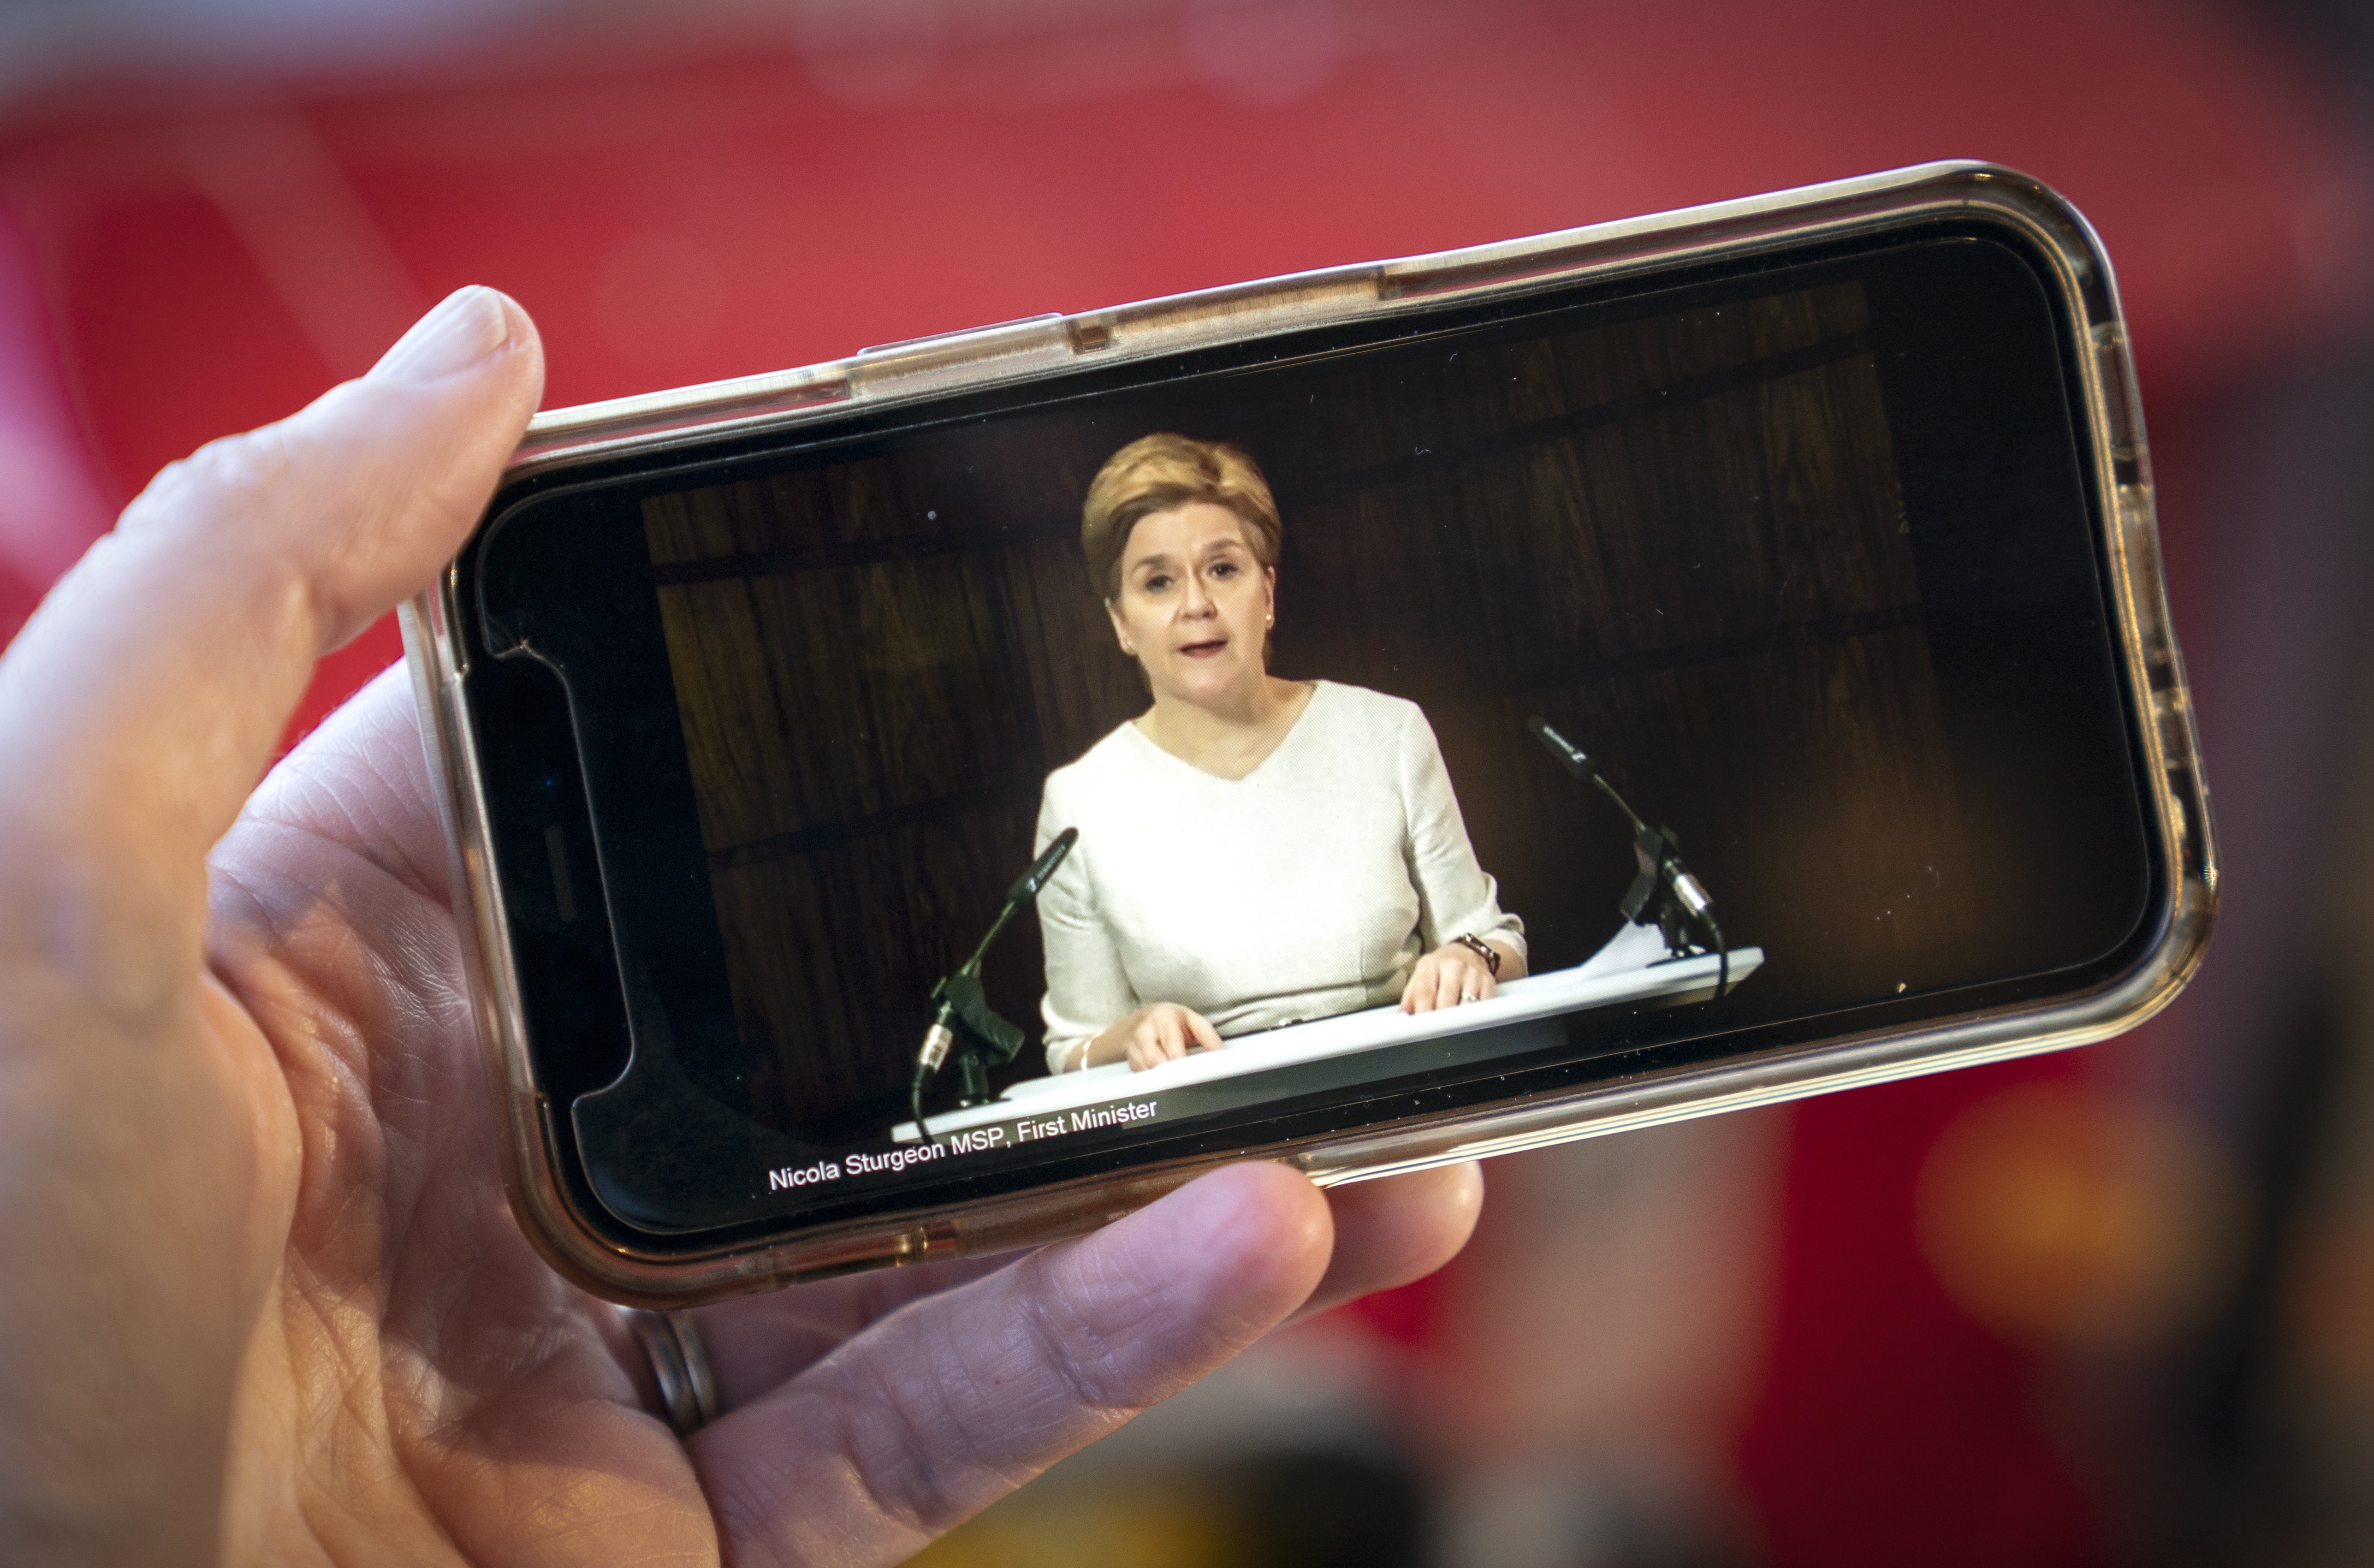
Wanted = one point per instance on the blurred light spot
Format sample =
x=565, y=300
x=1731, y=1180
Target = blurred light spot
x=2333, y=233
x=2331, y=1307
x=2060, y=1215
x=1265, y=51
x=1146, y=1525
x=871, y=50
x=51, y=504
x=50, y=507
x=659, y=299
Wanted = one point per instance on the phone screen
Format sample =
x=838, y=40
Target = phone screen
x=1801, y=557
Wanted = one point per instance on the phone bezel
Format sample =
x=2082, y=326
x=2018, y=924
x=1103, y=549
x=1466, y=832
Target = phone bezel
x=650, y=429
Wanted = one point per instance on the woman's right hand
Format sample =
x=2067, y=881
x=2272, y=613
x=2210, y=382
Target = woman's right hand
x=1153, y=1035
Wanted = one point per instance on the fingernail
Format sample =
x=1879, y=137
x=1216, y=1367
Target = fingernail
x=469, y=326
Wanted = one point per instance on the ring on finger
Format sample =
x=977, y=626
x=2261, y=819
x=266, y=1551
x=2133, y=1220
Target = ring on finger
x=679, y=1360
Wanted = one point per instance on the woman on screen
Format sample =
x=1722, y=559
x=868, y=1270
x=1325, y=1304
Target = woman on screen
x=1253, y=851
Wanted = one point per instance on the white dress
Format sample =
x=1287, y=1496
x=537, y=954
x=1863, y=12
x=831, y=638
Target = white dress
x=1308, y=888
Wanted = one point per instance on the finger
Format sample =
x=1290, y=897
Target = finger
x=757, y=1342
x=1426, y=984
x=1388, y=1233
x=360, y=779
x=1397, y=1229
x=949, y=1404
x=1201, y=1028
x=1168, y=1042
x=1146, y=1044
x=1450, y=983
x=149, y=691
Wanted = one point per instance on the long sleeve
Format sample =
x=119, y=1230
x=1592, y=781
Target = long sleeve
x=1298, y=891
x=1087, y=986
x=1456, y=897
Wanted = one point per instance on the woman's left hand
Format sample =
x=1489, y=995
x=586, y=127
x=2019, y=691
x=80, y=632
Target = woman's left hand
x=1452, y=973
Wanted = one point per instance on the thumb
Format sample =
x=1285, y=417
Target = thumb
x=141, y=702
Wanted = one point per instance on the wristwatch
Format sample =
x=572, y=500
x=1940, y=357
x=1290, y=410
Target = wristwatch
x=1483, y=949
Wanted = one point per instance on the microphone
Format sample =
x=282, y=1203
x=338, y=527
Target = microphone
x=1572, y=758
x=1026, y=888
x=1564, y=750
x=962, y=1004
x=1664, y=887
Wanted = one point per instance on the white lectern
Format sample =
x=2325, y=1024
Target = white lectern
x=1324, y=1054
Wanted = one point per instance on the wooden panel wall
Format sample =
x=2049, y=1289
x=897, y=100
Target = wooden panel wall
x=1682, y=542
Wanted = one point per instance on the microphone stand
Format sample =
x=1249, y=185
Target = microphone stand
x=962, y=1016
x=1664, y=886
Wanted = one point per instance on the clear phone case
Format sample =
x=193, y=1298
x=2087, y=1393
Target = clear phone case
x=1016, y=352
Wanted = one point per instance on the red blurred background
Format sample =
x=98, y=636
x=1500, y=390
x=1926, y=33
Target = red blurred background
x=2050, y=1311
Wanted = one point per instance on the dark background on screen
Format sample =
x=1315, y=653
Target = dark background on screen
x=1683, y=538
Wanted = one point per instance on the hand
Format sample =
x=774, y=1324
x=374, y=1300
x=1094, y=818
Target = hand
x=1153, y=1035
x=1452, y=973
x=263, y=1298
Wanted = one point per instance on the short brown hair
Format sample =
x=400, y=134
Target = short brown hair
x=1157, y=473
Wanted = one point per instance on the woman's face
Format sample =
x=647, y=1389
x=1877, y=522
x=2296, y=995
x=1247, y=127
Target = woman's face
x=1196, y=603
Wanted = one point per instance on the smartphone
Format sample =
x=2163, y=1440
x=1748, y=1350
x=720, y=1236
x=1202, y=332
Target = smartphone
x=936, y=801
